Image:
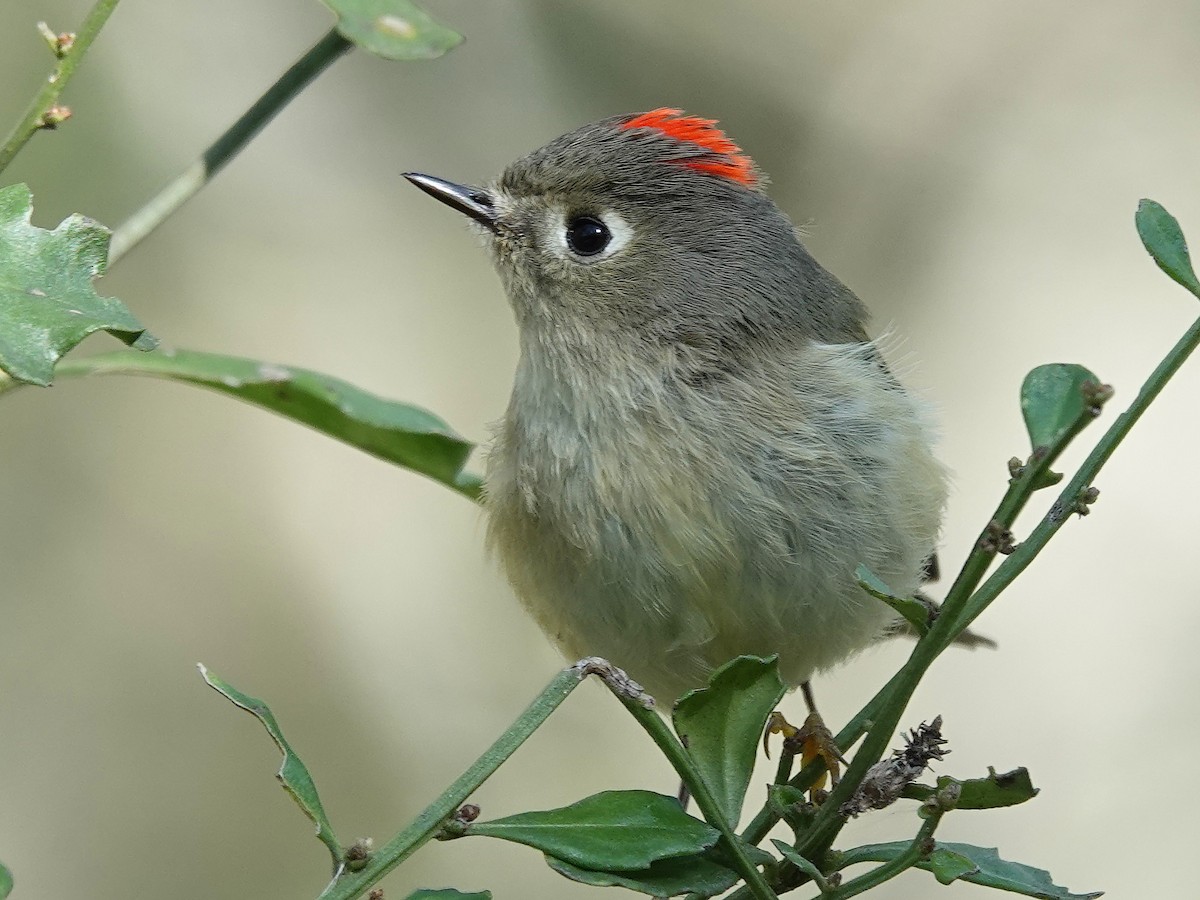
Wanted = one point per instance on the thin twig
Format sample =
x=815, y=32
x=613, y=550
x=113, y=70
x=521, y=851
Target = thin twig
x=35, y=118
x=685, y=766
x=959, y=611
x=424, y=828
x=131, y=232
x=920, y=848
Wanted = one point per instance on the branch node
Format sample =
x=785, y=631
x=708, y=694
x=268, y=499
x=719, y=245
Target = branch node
x=53, y=117
x=359, y=854
x=616, y=679
x=1095, y=395
x=456, y=825
x=1081, y=505
x=1086, y=498
x=996, y=539
x=60, y=44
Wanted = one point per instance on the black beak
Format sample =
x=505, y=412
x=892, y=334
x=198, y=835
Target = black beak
x=471, y=201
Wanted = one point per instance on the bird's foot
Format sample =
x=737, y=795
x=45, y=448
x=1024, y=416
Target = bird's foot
x=812, y=740
x=816, y=741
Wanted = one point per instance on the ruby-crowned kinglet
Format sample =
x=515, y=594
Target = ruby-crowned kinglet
x=701, y=445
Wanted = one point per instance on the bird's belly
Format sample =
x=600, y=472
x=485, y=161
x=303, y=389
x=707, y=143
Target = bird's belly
x=670, y=563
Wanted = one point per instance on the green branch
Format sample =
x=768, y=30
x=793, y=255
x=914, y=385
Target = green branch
x=38, y=115
x=919, y=849
x=1031, y=477
x=131, y=232
x=1072, y=496
x=686, y=767
x=967, y=599
x=347, y=884
x=961, y=608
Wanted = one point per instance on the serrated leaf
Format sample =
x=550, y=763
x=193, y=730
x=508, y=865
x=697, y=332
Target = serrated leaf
x=722, y=724
x=1053, y=403
x=397, y=432
x=697, y=875
x=914, y=611
x=995, y=791
x=292, y=774
x=6, y=881
x=47, y=301
x=393, y=29
x=993, y=871
x=1164, y=241
x=613, y=831
x=447, y=894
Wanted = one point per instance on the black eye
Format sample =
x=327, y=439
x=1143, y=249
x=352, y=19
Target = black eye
x=587, y=235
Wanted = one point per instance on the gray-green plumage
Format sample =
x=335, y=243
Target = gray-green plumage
x=701, y=444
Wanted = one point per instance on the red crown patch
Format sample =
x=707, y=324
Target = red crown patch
x=731, y=164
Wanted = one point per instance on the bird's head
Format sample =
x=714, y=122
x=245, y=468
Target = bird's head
x=652, y=228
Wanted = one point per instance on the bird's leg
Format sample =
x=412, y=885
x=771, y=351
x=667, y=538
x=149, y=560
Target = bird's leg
x=816, y=741
x=810, y=741
x=684, y=795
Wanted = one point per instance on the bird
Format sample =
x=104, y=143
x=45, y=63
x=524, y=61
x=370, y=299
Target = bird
x=702, y=444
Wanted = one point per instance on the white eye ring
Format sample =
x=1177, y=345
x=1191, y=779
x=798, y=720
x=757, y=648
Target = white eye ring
x=574, y=233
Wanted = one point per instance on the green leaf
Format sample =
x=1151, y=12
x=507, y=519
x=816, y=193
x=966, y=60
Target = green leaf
x=722, y=724
x=993, y=871
x=405, y=435
x=992, y=792
x=614, y=831
x=1054, y=404
x=694, y=874
x=913, y=610
x=6, y=881
x=47, y=302
x=447, y=894
x=1163, y=240
x=948, y=866
x=792, y=805
x=393, y=29
x=789, y=853
x=292, y=774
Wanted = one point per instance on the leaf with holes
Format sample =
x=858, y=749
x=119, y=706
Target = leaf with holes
x=47, y=301
x=393, y=29
x=1164, y=241
x=292, y=774
x=722, y=724
x=613, y=831
x=6, y=881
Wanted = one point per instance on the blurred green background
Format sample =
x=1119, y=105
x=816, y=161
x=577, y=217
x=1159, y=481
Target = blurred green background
x=970, y=168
